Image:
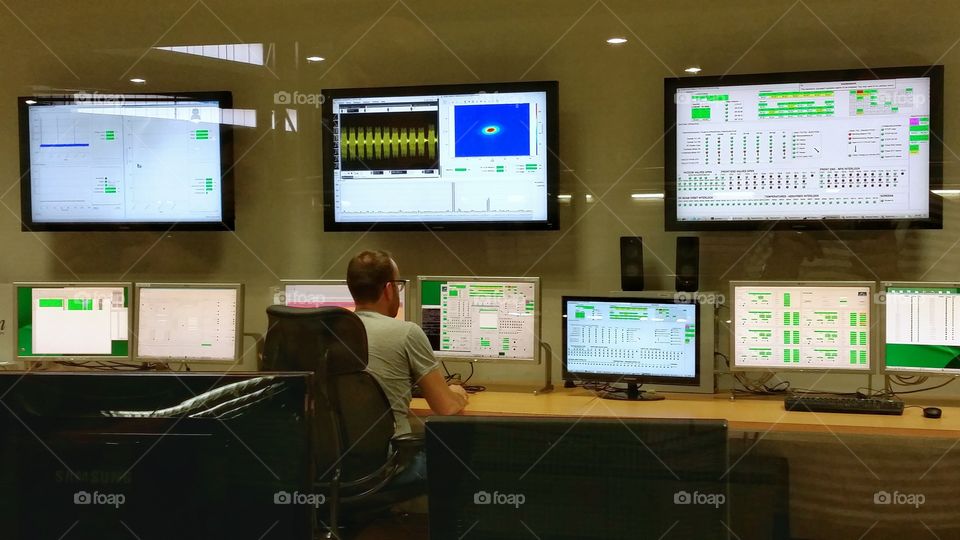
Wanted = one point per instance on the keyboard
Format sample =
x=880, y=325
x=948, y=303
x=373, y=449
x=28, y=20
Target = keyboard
x=830, y=404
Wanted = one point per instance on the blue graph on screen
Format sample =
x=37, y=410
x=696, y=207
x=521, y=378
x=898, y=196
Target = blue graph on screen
x=492, y=130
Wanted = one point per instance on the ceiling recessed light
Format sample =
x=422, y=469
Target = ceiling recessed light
x=645, y=196
x=616, y=40
x=693, y=69
x=315, y=59
x=30, y=102
x=138, y=81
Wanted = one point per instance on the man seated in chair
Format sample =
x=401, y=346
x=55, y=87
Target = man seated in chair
x=400, y=353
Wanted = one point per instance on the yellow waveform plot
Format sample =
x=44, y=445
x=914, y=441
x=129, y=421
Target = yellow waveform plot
x=360, y=143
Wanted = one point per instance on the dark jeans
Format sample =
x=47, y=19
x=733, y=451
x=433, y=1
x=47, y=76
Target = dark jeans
x=414, y=472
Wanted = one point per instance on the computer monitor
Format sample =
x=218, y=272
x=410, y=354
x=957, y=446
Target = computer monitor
x=799, y=326
x=323, y=293
x=922, y=328
x=189, y=322
x=472, y=156
x=841, y=149
x=631, y=340
x=72, y=321
x=481, y=318
x=126, y=162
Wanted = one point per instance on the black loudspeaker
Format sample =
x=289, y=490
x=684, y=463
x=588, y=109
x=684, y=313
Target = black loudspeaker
x=688, y=263
x=631, y=263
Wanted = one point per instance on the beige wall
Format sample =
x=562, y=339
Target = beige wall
x=610, y=144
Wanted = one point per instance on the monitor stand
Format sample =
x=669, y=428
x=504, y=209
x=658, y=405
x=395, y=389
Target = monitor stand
x=633, y=394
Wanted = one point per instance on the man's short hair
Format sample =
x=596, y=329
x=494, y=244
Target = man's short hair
x=367, y=274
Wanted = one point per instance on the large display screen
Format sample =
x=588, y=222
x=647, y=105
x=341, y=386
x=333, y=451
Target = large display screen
x=104, y=162
x=442, y=157
x=846, y=149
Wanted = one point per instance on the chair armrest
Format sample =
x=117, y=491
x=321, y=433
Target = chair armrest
x=407, y=445
x=406, y=439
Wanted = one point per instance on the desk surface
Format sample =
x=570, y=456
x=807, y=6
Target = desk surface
x=743, y=414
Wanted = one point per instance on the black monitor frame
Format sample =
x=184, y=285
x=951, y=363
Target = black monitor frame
x=227, y=223
x=551, y=88
x=671, y=85
x=632, y=379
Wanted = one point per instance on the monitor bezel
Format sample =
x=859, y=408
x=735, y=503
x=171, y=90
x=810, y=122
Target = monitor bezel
x=227, y=209
x=538, y=318
x=282, y=290
x=935, y=221
x=131, y=335
x=638, y=379
x=238, y=345
x=883, y=349
x=871, y=356
x=550, y=88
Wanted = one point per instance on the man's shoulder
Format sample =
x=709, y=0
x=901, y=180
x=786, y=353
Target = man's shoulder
x=379, y=321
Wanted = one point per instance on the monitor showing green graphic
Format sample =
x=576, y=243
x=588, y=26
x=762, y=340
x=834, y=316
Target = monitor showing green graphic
x=72, y=321
x=474, y=156
x=840, y=149
x=921, y=330
x=472, y=318
x=802, y=326
x=126, y=162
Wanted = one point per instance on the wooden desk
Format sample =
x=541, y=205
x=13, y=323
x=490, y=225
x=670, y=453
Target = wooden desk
x=746, y=414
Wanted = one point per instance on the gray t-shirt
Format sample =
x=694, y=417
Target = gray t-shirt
x=400, y=355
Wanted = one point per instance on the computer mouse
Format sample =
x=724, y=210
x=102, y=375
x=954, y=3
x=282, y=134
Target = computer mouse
x=932, y=412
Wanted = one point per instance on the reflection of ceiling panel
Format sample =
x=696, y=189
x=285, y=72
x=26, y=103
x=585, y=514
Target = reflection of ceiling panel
x=245, y=53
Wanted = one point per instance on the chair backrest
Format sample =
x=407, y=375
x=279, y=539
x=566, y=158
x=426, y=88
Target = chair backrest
x=246, y=436
x=354, y=422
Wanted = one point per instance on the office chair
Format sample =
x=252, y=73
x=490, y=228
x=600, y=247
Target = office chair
x=355, y=451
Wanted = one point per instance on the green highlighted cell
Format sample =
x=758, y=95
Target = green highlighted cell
x=712, y=97
x=77, y=304
x=51, y=302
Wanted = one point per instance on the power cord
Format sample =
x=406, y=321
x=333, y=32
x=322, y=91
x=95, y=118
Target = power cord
x=107, y=365
x=754, y=387
x=456, y=378
x=889, y=388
